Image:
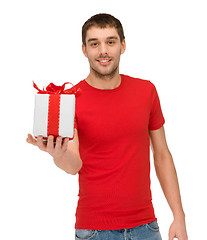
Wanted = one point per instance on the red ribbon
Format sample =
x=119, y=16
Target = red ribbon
x=53, y=89
x=54, y=104
x=53, y=115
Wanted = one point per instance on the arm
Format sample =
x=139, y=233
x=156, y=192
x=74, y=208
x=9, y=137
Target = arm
x=167, y=177
x=65, y=154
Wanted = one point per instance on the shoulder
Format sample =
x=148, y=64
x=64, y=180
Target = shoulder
x=143, y=83
x=79, y=84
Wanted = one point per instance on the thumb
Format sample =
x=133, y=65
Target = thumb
x=31, y=140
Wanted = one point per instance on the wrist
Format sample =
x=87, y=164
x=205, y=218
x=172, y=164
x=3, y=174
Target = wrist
x=179, y=215
x=70, y=162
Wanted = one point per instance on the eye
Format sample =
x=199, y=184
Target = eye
x=94, y=44
x=111, y=42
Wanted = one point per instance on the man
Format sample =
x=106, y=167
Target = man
x=117, y=117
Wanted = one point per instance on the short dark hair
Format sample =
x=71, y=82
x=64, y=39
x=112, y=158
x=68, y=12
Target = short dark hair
x=102, y=20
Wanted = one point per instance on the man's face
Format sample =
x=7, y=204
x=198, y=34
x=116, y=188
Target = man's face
x=103, y=49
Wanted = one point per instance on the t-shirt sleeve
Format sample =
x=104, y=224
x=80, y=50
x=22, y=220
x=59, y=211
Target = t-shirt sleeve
x=156, y=119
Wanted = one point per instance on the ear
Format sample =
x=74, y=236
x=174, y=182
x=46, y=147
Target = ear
x=84, y=50
x=123, y=46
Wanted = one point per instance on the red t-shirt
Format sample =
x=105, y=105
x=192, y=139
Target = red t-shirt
x=113, y=129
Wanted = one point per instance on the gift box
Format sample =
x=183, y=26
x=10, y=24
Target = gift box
x=54, y=111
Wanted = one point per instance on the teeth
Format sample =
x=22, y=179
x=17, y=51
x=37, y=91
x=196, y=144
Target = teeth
x=104, y=61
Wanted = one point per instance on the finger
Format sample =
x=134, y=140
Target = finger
x=31, y=140
x=50, y=143
x=171, y=237
x=40, y=143
x=65, y=144
x=58, y=144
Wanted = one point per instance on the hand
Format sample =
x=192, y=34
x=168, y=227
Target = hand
x=178, y=229
x=54, y=149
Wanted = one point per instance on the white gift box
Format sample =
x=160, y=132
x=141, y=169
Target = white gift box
x=56, y=113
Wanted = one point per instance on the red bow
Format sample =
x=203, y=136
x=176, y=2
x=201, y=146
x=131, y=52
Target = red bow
x=53, y=89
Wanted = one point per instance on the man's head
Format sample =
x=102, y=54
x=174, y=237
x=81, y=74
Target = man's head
x=103, y=44
x=102, y=20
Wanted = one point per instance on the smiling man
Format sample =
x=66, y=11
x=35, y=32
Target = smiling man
x=117, y=117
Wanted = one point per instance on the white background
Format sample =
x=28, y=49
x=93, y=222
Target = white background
x=41, y=41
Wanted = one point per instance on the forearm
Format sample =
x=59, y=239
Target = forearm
x=70, y=162
x=167, y=176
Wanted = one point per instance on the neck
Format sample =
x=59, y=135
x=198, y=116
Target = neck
x=105, y=82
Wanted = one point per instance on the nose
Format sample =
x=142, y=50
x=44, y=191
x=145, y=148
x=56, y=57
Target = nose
x=103, y=49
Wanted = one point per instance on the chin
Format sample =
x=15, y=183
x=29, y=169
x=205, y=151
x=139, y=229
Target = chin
x=106, y=73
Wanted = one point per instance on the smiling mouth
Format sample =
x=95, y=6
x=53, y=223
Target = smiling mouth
x=104, y=61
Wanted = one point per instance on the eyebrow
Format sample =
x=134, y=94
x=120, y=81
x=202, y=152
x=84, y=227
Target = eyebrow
x=108, y=38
